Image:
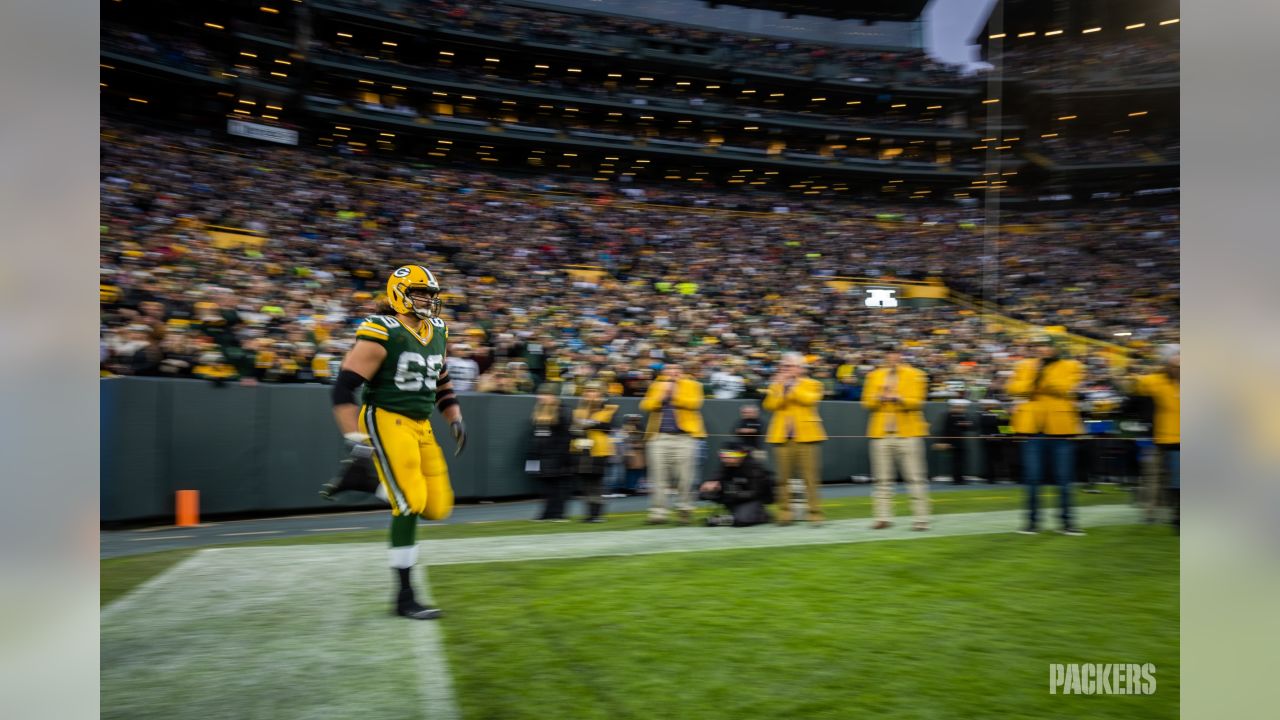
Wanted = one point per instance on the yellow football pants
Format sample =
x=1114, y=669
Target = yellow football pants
x=410, y=463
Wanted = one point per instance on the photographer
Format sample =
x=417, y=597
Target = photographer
x=743, y=486
x=549, y=459
x=592, y=447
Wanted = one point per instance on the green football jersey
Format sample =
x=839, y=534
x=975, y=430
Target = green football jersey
x=406, y=381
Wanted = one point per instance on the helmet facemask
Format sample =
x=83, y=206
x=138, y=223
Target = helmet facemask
x=423, y=301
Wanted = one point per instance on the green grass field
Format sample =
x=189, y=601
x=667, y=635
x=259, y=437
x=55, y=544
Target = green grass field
x=961, y=627
x=936, y=626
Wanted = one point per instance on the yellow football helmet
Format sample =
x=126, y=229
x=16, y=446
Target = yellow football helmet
x=413, y=290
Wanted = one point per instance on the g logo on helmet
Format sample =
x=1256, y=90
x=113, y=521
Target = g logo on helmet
x=401, y=272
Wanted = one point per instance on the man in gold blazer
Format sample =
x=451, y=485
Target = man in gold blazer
x=895, y=394
x=796, y=433
x=1047, y=418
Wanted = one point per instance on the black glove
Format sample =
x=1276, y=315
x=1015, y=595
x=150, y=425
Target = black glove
x=459, y=436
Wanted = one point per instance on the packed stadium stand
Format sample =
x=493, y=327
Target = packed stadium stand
x=602, y=193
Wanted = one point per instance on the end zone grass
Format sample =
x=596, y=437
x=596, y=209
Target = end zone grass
x=959, y=627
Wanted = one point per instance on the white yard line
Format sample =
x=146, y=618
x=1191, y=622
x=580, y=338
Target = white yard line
x=439, y=702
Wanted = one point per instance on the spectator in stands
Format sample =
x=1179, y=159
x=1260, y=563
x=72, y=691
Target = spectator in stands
x=895, y=396
x=462, y=368
x=796, y=433
x=674, y=403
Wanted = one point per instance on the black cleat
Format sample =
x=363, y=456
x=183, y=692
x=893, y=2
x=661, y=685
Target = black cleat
x=407, y=606
x=354, y=475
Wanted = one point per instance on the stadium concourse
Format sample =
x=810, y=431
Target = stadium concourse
x=705, y=280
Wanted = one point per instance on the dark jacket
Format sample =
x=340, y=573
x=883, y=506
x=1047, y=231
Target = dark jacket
x=752, y=440
x=956, y=425
x=550, y=446
x=744, y=483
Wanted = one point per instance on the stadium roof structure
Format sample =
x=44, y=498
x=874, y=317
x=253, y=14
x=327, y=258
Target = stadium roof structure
x=890, y=10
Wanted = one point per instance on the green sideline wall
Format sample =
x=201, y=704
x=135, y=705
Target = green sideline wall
x=267, y=448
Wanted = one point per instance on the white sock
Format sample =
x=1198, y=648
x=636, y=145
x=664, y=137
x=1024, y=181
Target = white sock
x=404, y=557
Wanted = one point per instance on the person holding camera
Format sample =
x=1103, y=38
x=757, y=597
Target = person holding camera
x=674, y=404
x=592, y=447
x=742, y=486
x=549, y=458
x=796, y=434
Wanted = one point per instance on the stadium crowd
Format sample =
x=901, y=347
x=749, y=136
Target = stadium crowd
x=1151, y=147
x=1085, y=62
x=615, y=33
x=725, y=292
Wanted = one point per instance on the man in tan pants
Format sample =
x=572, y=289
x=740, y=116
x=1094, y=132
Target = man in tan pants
x=796, y=434
x=674, y=404
x=895, y=394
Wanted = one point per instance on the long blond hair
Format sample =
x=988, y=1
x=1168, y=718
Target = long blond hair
x=546, y=413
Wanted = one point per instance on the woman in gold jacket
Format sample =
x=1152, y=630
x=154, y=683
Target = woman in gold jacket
x=592, y=447
x=795, y=431
x=1046, y=415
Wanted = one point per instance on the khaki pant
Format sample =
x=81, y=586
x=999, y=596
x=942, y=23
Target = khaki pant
x=670, y=457
x=791, y=458
x=907, y=454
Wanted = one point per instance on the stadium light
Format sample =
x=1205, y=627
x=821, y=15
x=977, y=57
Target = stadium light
x=278, y=61
x=248, y=54
x=446, y=53
x=1086, y=31
x=899, y=105
x=268, y=10
x=990, y=101
x=343, y=34
x=1135, y=26
x=1068, y=117
x=934, y=107
x=215, y=26
x=492, y=60
x=543, y=67
x=1031, y=33
x=1173, y=21
x=682, y=83
x=1049, y=135
x=388, y=43
x=997, y=36
x=713, y=87
x=615, y=75
x=1140, y=113
x=777, y=94
x=399, y=87
x=274, y=107
x=575, y=70
x=138, y=100
x=822, y=99
x=1051, y=33
x=646, y=79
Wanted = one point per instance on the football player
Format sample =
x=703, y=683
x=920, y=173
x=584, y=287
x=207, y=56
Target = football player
x=400, y=362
